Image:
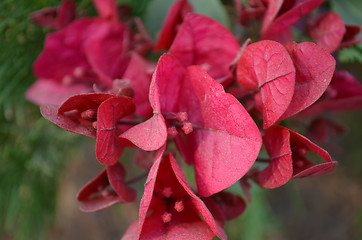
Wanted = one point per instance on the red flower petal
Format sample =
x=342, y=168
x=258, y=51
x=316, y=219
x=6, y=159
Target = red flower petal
x=45, y=91
x=139, y=72
x=280, y=169
x=290, y=17
x=343, y=94
x=328, y=31
x=174, y=18
x=63, y=52
x=317, y=170
x=108, y=149
x=266, y=66
x=149, y=135
x=70, y=121
x=84, y=102
x=107, y=9
x=226, y=138
x=108, y=52
x=205, y=42
x=287, y=151
x=314, y=70
x=96, y=196
x=231, y=205
x=183, y=223
x=270, y=14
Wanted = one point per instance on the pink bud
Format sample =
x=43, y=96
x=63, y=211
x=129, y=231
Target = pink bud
x=179, y=206
x=172, y=131
x=167, y=192
x=181, y=117
x=166, y=217
x=187, y=127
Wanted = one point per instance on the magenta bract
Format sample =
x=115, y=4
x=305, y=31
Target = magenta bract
x=192, y=46
x=266, y=66
x=96, y=195
x=328, y=31
x=287, y=151
x=169, y=209
x=174, y=19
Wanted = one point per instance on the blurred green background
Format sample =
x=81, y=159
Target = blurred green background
x=43, y=167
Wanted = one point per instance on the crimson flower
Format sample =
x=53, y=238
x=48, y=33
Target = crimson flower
x=287, y=79
x=94, y=115
x=106, y=189
x=170, y=210
x=211, y=128
x=86, y=52
x=55, y=17
x=288, y=158
x=192, y=46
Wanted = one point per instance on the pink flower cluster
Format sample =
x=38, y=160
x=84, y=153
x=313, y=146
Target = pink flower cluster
x=208, y=102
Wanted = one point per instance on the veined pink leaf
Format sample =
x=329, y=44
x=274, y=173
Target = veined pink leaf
x=226, y=138
x=280, y=169
x=96, y=195
x=149, y=135
x=175, y=17
x=166, y=186
x=314, y=70
x=108, y=148
x=290, y=17
x=205, y=42
x=328, y=31
x=266, y=66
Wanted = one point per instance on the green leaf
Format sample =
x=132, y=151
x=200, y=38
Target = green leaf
x=351, y=54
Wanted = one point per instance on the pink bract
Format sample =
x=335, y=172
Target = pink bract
x=96, y=195
x=169, y=209
x=266, y=66
x=287, y=151
x=192, y=46
x=328, y=31
x=174, y=19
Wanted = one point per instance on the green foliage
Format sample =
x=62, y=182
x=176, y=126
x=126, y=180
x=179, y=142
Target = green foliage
x=351, y=54
x=32, y=152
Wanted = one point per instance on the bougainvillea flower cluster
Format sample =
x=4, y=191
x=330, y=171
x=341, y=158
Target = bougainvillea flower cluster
x=214, y=100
